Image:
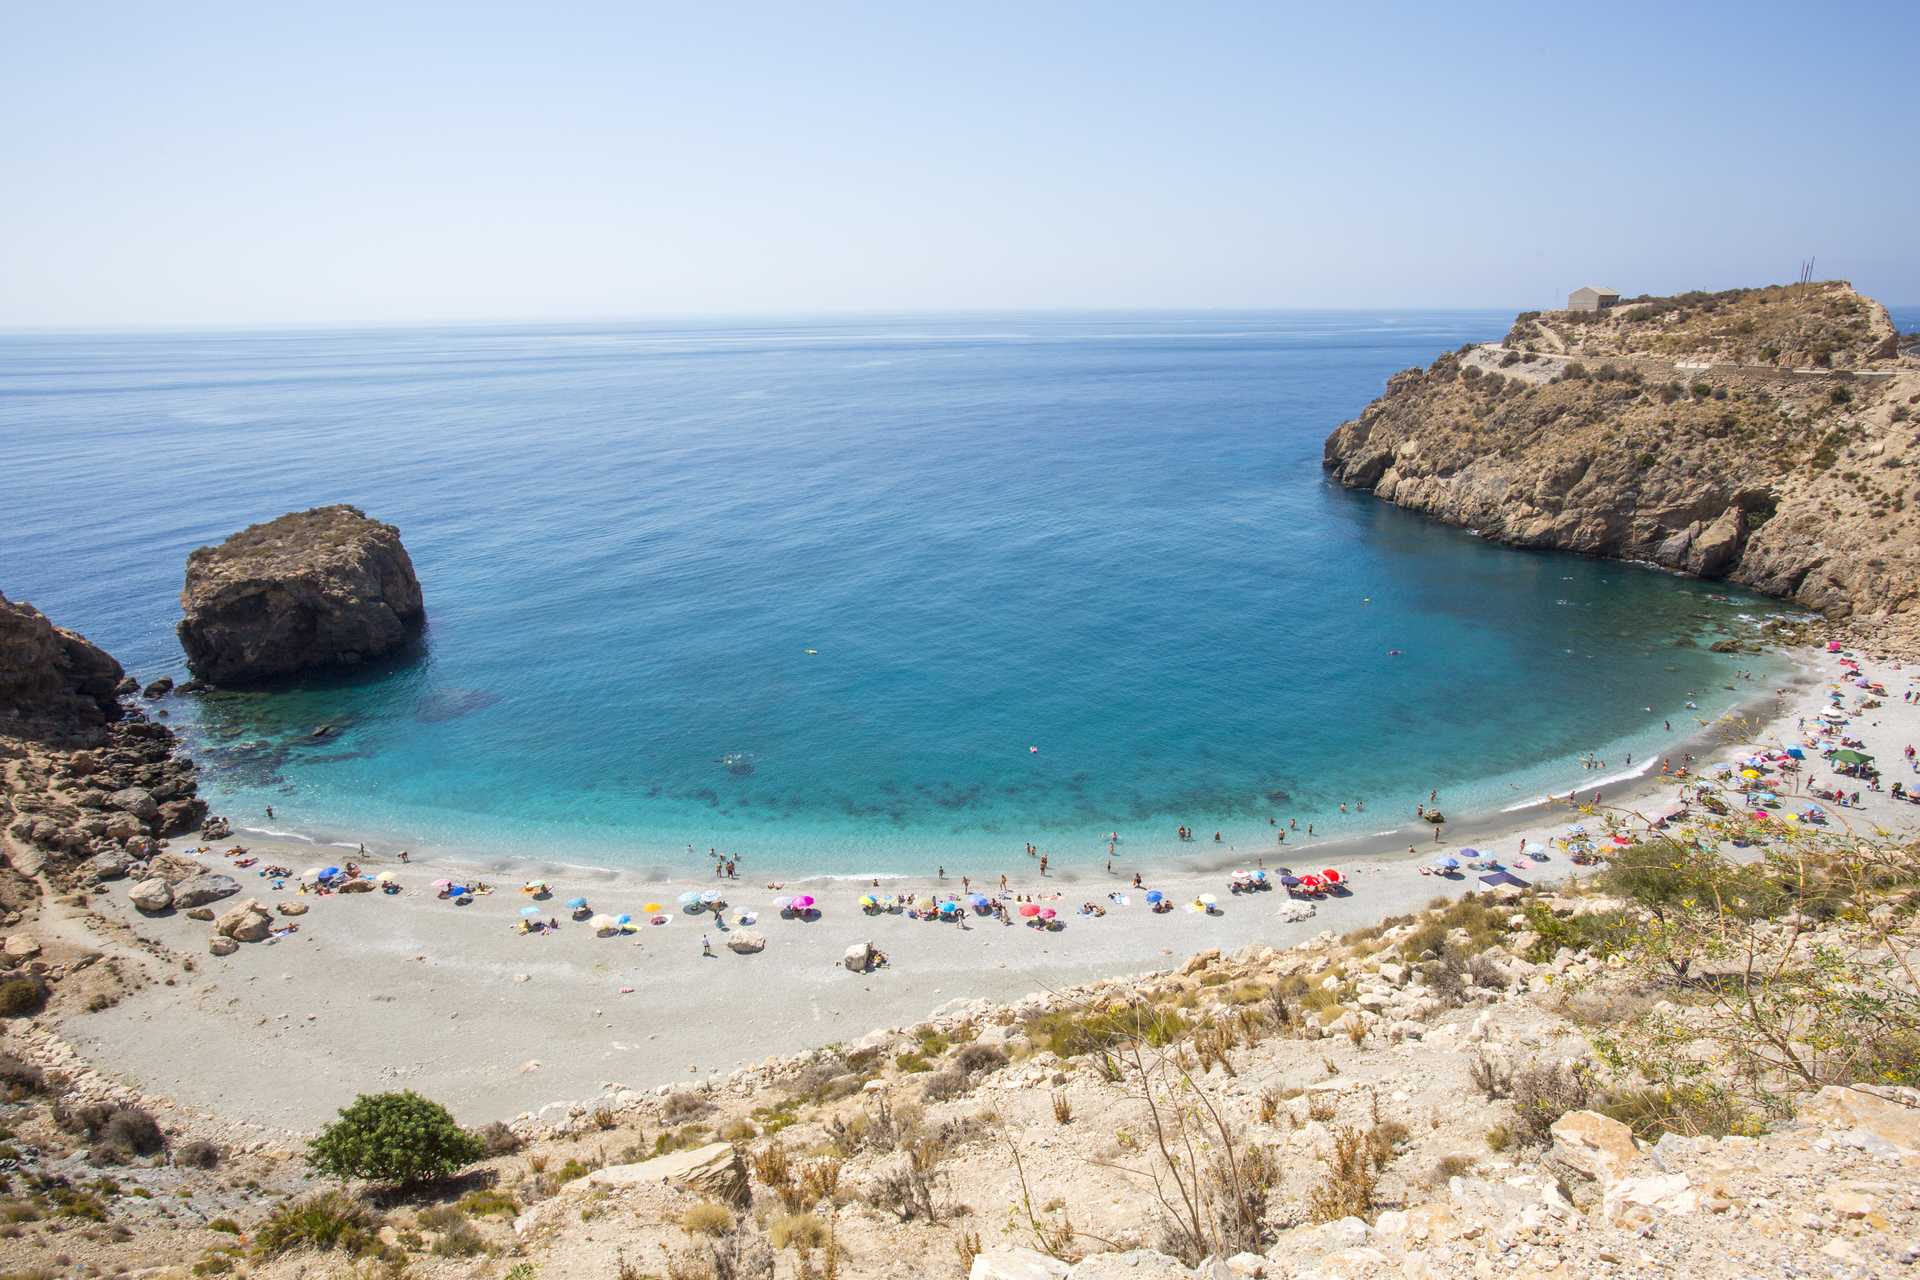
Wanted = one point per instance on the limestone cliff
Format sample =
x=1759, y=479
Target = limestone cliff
x=313, y=589
x=1757, y=435
x=54, y=684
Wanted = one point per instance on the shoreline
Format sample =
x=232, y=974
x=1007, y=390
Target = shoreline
x=1160, y=856
x=412, y=991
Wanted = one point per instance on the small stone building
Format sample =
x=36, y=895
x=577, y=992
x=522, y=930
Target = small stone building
x=1592, y=299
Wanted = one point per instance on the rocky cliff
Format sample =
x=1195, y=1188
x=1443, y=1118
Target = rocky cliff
x=313, y=589
x=1757, y=435
x=54, y=684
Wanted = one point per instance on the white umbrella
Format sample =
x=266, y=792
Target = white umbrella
x=602, y=923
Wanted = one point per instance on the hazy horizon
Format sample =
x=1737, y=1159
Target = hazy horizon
x=214, y=166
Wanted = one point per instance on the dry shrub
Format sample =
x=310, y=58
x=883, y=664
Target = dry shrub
x=945, y=1086
x=980, y=1059
x=1542, y=1093
x=198, y=1154
x=1347, y=1189
x=798, y=1231
x=1062, y=1109
x=708, y=1218
x=682, y=1107
x=820, y=1180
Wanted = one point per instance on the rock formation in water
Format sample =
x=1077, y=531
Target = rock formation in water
x=1757, y=435
x=55, y=685
x=313, y=589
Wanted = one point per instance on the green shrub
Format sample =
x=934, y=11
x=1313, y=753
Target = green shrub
x=227, y=1225
x=329, y=1220
x=1069, y=1034
x=488, y=1203
x=399, y=1138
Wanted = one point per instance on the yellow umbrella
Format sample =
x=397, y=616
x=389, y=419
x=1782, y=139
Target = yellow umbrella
x=385, y=877
x=652, y=907
x=1749, y=773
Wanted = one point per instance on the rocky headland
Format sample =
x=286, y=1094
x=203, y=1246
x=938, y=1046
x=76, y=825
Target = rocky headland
x=1756, y=435
x=55, y=685
x=308, y=591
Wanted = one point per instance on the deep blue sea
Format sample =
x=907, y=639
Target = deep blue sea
x=844, y=594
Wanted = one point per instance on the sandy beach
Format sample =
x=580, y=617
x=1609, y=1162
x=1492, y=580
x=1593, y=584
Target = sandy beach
x=380, y=991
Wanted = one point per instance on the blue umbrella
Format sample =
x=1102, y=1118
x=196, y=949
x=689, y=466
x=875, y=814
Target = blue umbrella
x=1154, y=895
x=1290, y=881
x=1450, y=862
x=623, y=919
x=949, y=907
x=458, y=890
x=979, y=901
x=329, y=873
x=576, y=903
x=529, y=912
x=1259, y=875
x=689, y=900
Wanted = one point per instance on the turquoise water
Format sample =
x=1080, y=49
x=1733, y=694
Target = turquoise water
x=1107, y=537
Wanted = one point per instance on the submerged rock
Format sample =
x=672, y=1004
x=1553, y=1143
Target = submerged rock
x=311, y=590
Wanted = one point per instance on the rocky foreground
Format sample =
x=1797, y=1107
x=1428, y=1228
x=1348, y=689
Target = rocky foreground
x=1758, y=435
x=308, y=591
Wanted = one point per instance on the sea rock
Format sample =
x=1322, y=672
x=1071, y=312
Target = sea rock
x=217, y=828
x=1013, y=1263
x=151, y=896
x=246, y=922
x=55, y=685
x=714, y=1171
x=200, y=890
x=159, y=688
x=220, y=946
x=313, y=589
x=746, y=942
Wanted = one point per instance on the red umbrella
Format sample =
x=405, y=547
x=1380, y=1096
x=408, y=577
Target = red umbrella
x=1029, y=909
x=1309, y=882
x=1331, y=876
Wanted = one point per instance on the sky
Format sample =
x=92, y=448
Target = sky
x=241, y=164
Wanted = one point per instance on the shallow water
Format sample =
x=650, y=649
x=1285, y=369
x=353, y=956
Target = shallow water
x=1105, y=537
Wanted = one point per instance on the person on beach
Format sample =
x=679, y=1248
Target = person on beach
x=1309, y=828
x=1003, y=882
x=269, y=811
x=1043, y=864
x=1136, y=879
x=943, y=873
x=706, y=947
x=403, y=855
x=1280, y=837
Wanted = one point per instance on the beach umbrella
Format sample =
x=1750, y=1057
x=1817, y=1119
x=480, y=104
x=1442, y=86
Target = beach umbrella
x=803, y=903
x=783, y=904
x=458, y=890
x=1260, y=876
x=1749, y=773
x=602, y=923
x=689, y=900
x=385, y=877
x=710, y=897
x=1850, y=756
x=576, y=903
x=529, y=913
x=652, y=907
x=1474, y=853
x=443, y=884
x=923, y=904
x=979, y=902
x=1029, y=909
x=534, y=886
x=1535, y=848
x=1207, y=900
x=1309, y=882
x=623, y=919
x=1332, y=876
x=1291, y=882
x=1450, y=862
x=1796, y=753
x=949, y=907
x=1048, y=913
x=329, y=873
x=868, y=900
x=1154, y=895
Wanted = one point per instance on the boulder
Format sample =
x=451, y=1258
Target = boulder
x=357, y=886
x=20, y=947
x=137, y=801
x=159, y=688
x=1017, y=1264
x=1134, y=1264
x=310, y=590
x=1593, y=1146
x=746, y=942
x=291, y=908
x=858, y=957
x=217, y=828
x=1632, y=1202
x=714, y=1171
x=111, y=865
x=199, y=890
x=123, y=827
x=246, y=922
x=220, y=946
x=151, y=896
x=1890, y=1122
x=55, y=685
x=200, y=913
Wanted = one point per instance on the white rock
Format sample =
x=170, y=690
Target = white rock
x=1017, y=1264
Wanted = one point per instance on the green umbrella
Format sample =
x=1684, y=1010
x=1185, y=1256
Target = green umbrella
x=1850, y=756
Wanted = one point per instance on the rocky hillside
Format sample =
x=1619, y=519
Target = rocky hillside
x=1758, y=435
x=312, y=589
x=54, y=684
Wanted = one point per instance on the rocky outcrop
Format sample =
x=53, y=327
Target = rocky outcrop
x=311, y=590
x=1787, y=480
x=55, y=685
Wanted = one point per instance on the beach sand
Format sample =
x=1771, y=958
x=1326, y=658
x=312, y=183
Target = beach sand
x=378, y=992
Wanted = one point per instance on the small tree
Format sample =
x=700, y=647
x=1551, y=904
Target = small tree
x=399, y=1138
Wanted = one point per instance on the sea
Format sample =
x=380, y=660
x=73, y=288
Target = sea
x=848, y=595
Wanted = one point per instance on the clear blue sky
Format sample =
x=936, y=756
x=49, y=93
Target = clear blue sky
x=237, y=163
